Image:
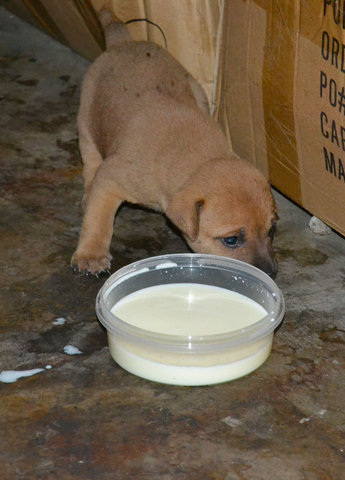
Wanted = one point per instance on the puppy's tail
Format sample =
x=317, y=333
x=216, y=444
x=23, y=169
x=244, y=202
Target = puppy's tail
x=115, y=31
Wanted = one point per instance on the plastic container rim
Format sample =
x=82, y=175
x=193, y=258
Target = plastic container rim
x=232, y=339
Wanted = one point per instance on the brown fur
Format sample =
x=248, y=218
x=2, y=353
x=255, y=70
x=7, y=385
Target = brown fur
x=146, y=137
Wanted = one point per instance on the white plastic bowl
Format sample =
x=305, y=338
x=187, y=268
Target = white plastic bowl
x=185, y=359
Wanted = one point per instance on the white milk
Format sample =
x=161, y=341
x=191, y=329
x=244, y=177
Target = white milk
x=188, y=310
x=11, y=376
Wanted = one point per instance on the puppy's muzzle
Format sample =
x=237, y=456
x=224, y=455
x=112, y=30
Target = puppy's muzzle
x=268, y=265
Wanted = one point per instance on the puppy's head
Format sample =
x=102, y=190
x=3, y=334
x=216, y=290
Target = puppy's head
x=227, y=208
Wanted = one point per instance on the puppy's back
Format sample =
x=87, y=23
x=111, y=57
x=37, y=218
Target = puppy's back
x=116, y=85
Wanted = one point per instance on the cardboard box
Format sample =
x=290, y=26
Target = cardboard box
x=281, y=97
x=273, y=71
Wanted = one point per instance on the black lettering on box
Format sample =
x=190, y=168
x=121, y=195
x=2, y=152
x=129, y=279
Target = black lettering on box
x=323, y=82
x=333, y=92
x=342, y=136
x=332, y=88
x=342, y=63
x=335, y=51
x=337, y=8
x=332, y=49
x=332, y=131
x=329, y=162
x=324, y=124
x=325, y=45
x=341, y=171
x=337, y=169
x=334, y=137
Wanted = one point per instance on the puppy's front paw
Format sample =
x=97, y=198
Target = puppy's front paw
x=93, y=264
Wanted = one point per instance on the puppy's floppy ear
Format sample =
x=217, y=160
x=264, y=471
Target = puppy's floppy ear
x=184, y=212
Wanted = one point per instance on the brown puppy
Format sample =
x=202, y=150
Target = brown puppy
x=146, y=137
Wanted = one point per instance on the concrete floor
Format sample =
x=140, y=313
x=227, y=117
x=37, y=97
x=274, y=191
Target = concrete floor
x=85, y=417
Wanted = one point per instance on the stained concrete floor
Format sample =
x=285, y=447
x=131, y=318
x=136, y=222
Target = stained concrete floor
x=85, y=417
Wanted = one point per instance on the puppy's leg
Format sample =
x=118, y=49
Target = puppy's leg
x=92, y=254
x=91, y=161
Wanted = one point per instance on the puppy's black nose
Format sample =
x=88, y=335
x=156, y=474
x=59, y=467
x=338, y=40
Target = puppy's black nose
x=273, y=274
x=268, y=265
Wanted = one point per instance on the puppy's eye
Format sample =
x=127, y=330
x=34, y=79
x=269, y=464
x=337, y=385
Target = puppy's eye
x=235, y=240
x=231, y=242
